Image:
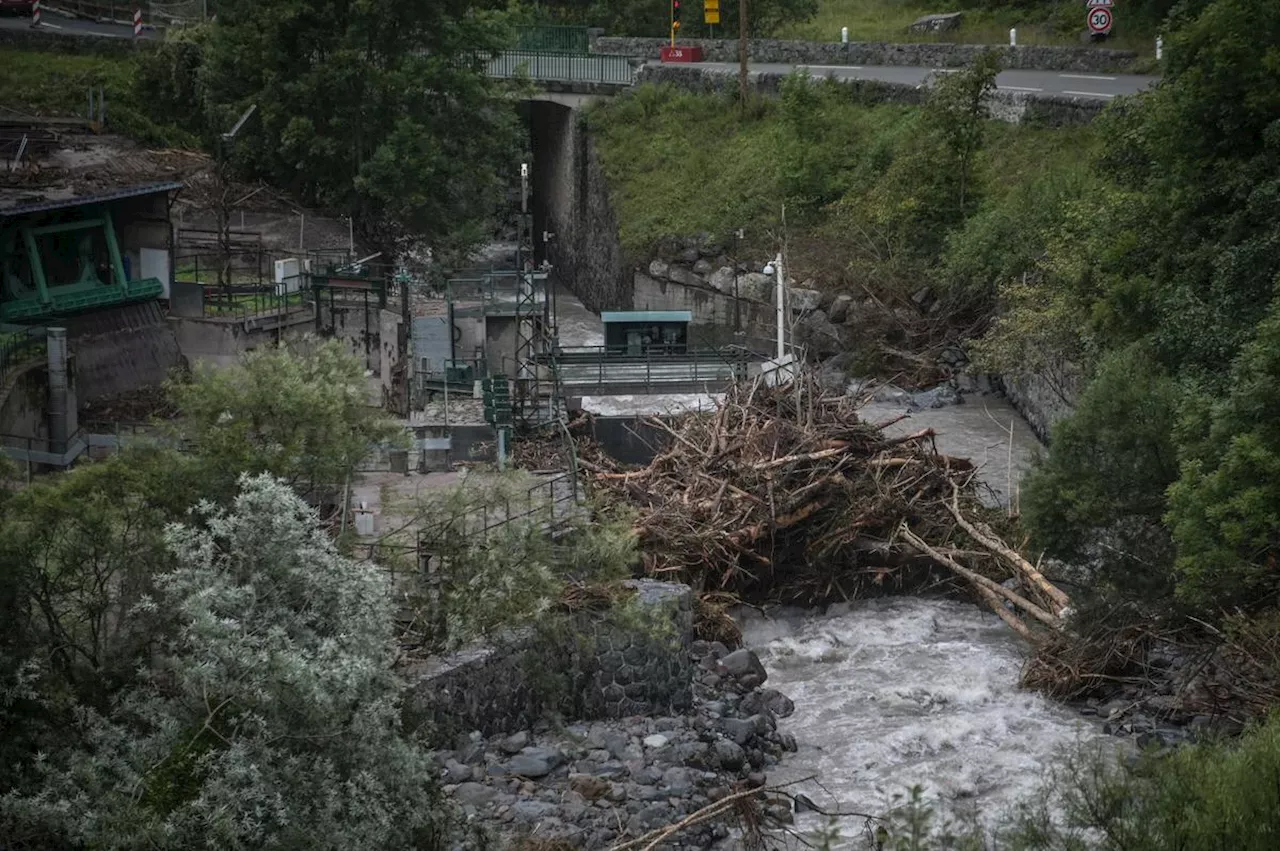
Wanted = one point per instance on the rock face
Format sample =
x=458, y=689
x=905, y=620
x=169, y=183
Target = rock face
x=937, y=23
x=595, y=784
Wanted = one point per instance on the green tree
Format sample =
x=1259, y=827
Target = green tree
x=1108, y=468
x=301, y=414
x=649, y=18
x=1225, y=507
x=380, y=110
x=959, y=114
x=272, y=717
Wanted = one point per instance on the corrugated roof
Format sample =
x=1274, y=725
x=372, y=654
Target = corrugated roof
x=97, y=198
x=646, y=316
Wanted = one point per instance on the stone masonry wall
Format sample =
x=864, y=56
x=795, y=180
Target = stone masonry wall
x=1012, y=107
x=631, y=660
x=935, y=55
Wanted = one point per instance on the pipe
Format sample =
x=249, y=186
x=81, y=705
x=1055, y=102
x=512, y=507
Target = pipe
x=56, y=344
x=782, y=306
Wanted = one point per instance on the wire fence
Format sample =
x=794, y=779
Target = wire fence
x=564, y=68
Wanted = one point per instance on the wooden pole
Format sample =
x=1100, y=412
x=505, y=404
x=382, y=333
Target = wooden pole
x=742, y=55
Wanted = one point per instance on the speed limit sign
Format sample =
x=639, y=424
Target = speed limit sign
x=1100, y=20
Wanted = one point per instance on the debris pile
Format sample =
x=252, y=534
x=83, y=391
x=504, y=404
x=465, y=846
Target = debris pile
x=785, y=494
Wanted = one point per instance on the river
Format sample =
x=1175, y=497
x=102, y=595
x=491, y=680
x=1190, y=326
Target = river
x=893, y=692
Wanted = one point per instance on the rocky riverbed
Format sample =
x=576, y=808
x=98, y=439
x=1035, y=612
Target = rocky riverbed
x=595, y=784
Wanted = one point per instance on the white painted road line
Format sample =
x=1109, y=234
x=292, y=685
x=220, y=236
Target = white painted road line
x=1085, y=77
x=1018, y=89
x=1089, y=94
x=946, y=70
x=832, y=67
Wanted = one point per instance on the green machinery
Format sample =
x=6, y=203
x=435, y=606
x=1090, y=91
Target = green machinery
x=65, y=257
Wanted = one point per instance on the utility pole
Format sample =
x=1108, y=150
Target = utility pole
x=742, y=55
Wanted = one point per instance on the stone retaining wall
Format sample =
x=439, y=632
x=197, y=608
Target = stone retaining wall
x=630, y=660
x=1012, y=107
x=935, y=55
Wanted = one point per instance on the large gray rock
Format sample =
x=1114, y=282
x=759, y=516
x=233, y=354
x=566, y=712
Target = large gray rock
x=659, y=270
x=687, y=277
x=741, y=663
x=803, y=300
x=722, y=279
x=821, y=335
x=937, y=23
x=535, y=762
x=839, y=308
x=755, y=285
x=514, y=743
x=730, y=756
x=739, y=729
x=474, y=794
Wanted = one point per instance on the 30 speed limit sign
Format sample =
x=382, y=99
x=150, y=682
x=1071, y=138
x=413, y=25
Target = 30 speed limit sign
x=1100, y=20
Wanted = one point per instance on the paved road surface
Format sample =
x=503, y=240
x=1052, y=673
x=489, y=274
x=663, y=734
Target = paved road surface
x=73, y=26
x=1098, y=86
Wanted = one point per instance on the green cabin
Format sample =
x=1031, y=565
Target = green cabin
x=63, y=256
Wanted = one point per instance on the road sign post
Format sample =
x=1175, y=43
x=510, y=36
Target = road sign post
x=710, y=12
x=1099, y=19
x=137, y=22
x=35, y=14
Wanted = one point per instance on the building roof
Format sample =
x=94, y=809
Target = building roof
x=82, y=200
x=646, y=316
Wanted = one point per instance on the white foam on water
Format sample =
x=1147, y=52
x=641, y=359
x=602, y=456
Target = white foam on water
x=898, y=691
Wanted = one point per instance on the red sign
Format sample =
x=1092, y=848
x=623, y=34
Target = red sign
x=681, y=54
x=1100, y=20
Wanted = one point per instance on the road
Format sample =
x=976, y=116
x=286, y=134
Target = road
x=73, y=26
x=1096, y=86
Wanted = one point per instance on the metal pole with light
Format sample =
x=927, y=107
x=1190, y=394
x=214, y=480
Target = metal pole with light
x=224, y=224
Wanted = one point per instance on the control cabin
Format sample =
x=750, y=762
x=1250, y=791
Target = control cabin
x=639, y=332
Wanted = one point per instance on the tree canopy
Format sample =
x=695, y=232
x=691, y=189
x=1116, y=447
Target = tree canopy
x=377, y=110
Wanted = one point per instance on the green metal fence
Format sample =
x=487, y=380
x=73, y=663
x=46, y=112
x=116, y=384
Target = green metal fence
x=546, y=39
x=565, y=68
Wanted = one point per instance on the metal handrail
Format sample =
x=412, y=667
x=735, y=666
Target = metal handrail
x=601, y=69
x=553, y=39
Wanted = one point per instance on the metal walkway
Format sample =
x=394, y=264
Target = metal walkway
x=601, y=70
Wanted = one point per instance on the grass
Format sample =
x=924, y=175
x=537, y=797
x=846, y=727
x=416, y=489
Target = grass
x=1057, y=22
x=50, y=84
x=681, y=164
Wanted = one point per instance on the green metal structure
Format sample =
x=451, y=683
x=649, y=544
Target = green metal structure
x=61, y=257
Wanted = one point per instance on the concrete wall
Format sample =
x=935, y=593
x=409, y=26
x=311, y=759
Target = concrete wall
x=631, y=661
x=572, y=202
x=121, y=349
x=143, y=223
x=24, y=402
x=932, y=55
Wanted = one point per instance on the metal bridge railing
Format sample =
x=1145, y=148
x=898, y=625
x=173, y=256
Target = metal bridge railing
x=553, y=39
x=564, y=68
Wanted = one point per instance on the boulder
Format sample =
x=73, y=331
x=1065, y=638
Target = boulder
x=535, y=762
x=729, y=754
x=474, y=794
x=703, y=267
x=722, y=279
x=821, y=335
x=839, y=308
x=681, y=275
x=514, y=743
x=941, y=396
x=741, y=663
x=770, y=700
x=944, y=22
x=755, y=285
x=804, y=300
x=659, y=270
